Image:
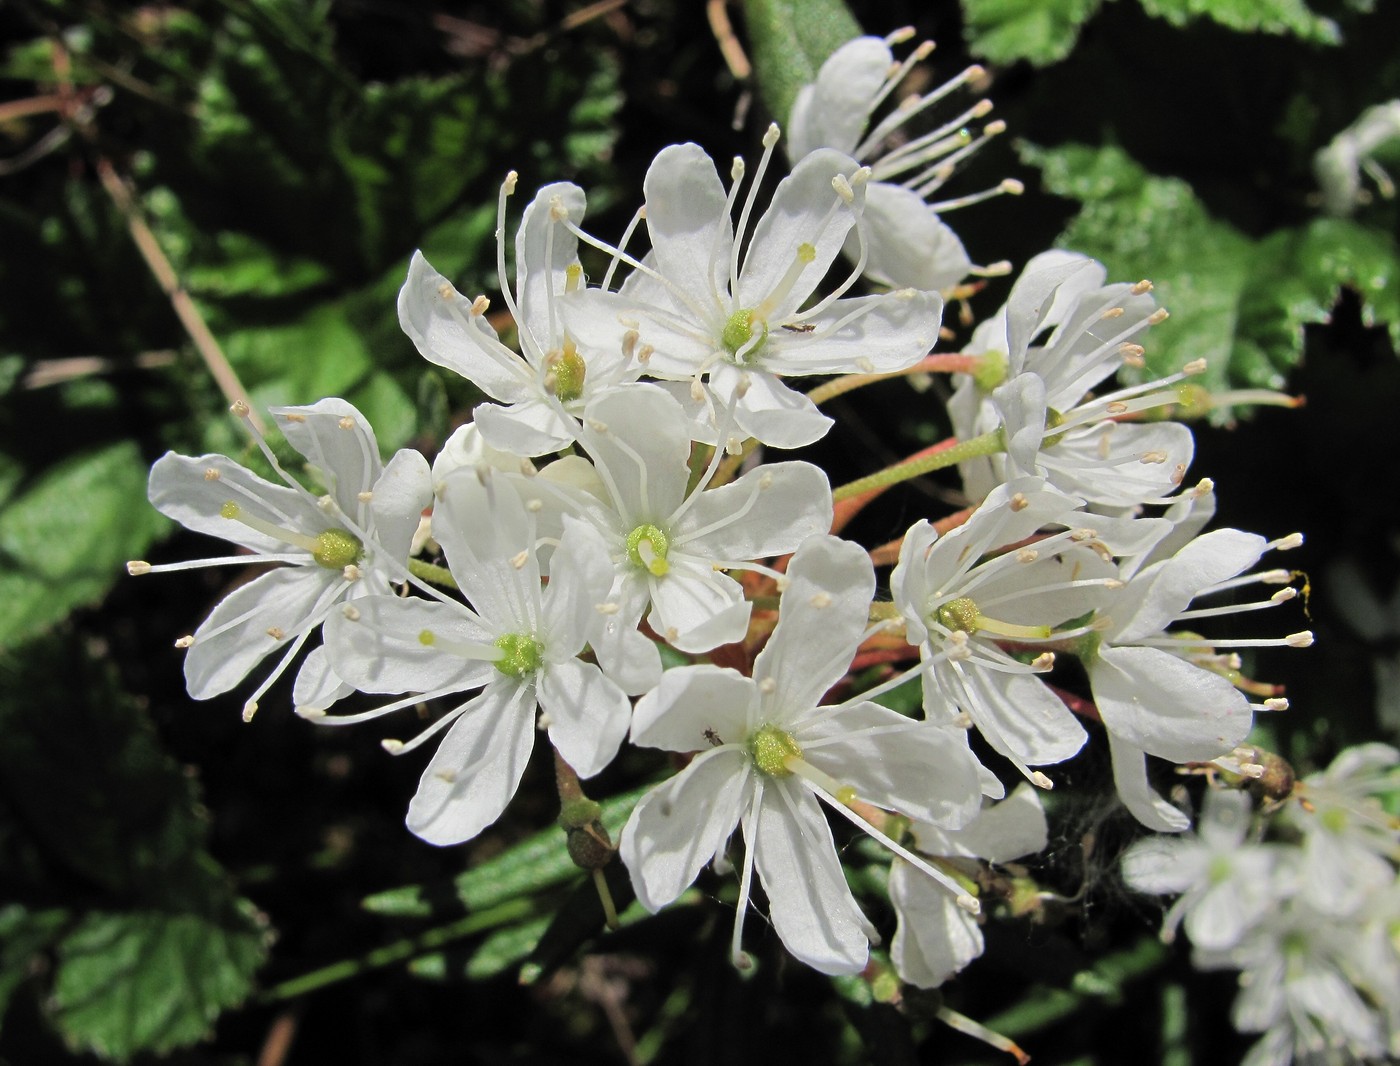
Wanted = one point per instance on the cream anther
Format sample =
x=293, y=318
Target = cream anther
x=557, y=211
x=672, y=634
x=137, y=567
x=508, y=186
x=1299, y=640
x=771, y=135
x=597, y=426
x=629, y=343
x=1045, y=661
x=1285, y=594
x=393, y=747
x=1158, y=316
x=1039, y=780
x=535, y=505
x=1079, y=536
x=736, y=169
x=346, y=423
x=1276, y=703
x=765, y=482
x=864, y=365
x=644, y=354
x=1283, y=544
x=351, y=573
x=446, y=775
x=607, y=608
x=351, y=612
x=1019, y=502
x=697, y=390
x=310, y=713
x=768, y=686
x=210, y=474
x=1012, y=186
x=479, y=306
x=364, y=497
x=445, y=291
x=820, y=600
x=238, y=409
x=1143, y=286
x=184, y=642
x=1276, y=577
x=1204, y=487
x=994, y=128
x=276, y=632
x=294, y=417
x=1027, y=555
x=843, y=189
x=781, y=583
x=249, y=709
x=969, y=904
x=1112, y=312
x=1195, y=366
x=1153, y=458
x=922, y=51
x=1117, y=407
x=520, y=558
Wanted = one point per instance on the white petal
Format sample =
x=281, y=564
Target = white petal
x=193, y=489
x=529, y=428
x=833, y=112
x=1021, y=402
x=318, y=686
x=935, y=938
x=691, y=233
x=588, y=714
x=1166, y=706
x=769, y=411
x=581, y=577
x=999, y=833
x=1163, y=865
x=403, y=490
x=693, y=701
x=339, y=443
x=862, y=334
x=1043, y=295
x=1018, y=715
x=284, y=601
x=800, y=214
x=1115, y=475
x=823, y=616
x=922, y=770
x=808, y=899
x=485, y=532
x=644, y=449
x=544, y=249
x=438, y=319
x=679, y=342
x=907, y=244
x=695, y=608
x=1130, y=776
x=680, y=825
x=384, y=650
x=769, y=511
x=477, y=767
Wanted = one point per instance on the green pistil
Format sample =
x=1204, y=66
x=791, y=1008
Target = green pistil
x=963, y=615
x=739, y=331
x=337, y=548
x=771, y=748
x=523, y=654
x=567, y=369
x=1219, y=869
x=1335, y=819
x=646, y=547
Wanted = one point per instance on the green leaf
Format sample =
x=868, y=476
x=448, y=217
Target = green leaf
x=23, y=934
x=1144, y=226
x=64, y=539
x=149, y=981
x=1041, y=31
x=244, y=266
x=540, y=862
x=790, y=40
x=1250, y=16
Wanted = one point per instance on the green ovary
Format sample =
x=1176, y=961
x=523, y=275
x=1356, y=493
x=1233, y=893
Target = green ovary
x=567, y=371
x=959, y=615
x=523, y=654
x=771, y=748
x=739, y=331
x=337, y=548
x=646, y=547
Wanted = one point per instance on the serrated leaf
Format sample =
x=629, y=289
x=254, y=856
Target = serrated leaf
x=1041, y=31
x=790, y=40
x=1250, y=16
x=64, y=539
x=149, y=981
x=542, y=861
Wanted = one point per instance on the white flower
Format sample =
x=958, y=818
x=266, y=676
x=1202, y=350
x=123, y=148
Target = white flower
x=935, y=938
x=696, y=309
x=347, y=544
x=547, y=389
x=1350, y=841
x=1041, y=395
x=1225, y=885
x=957, y=609
x=768, y=752
x=668, y=547
x=520, y=646
x=1171, y=694
x=907, y=243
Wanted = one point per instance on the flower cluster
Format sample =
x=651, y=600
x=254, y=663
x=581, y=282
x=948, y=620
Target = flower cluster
x=615, y=496
x=1304, y=900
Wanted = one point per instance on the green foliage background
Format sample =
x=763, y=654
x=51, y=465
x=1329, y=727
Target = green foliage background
x=176, y=883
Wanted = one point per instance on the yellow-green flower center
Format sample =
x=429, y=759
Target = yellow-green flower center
x=566, y=372
x=964, y=616
x=771, y=748
x=739, y=331
x=337, y=548
x=646, y=547
x=991, y=370
x=523, y=654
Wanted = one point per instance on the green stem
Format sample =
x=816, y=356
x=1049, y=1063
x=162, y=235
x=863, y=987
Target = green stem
x=972, y=448
x=503, y=914
x=433, y=575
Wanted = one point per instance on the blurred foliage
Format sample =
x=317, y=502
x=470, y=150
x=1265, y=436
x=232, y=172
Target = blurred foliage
x=287, y=157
